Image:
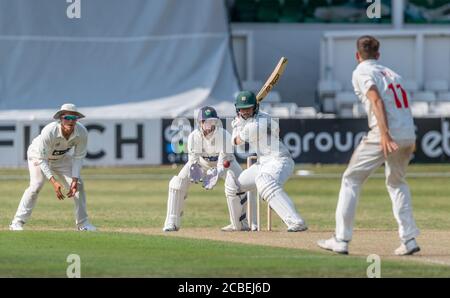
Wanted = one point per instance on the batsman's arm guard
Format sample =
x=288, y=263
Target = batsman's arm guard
x=237, y=124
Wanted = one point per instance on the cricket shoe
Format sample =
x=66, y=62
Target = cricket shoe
x=231, y=228
x=408, y=248
x=297, y=227
x=254, y=227
x=170, y=228
x=16, y=226
x=87, y=227
x=341, y=247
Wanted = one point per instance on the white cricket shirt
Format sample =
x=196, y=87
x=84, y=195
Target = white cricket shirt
x=396, y=99
x=51, y=145
x=213, y=148
x=262, y=134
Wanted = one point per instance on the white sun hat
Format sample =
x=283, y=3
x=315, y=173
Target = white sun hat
x=68, y=107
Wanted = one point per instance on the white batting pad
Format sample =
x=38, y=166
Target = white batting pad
x=236, y=206
x=177, y=194
x=278, y=200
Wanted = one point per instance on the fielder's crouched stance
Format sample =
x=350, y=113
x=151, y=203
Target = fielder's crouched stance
x=48, y=155
x=209, y=146
x=273, y=169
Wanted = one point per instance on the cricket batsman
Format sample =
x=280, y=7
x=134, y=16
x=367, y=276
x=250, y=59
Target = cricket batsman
x=49, y=158
x=210, y=156
x=390, y=141
x=272, y=170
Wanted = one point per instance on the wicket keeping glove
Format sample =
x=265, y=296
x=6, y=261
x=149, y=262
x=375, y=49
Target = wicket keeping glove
x=211, y=178
x=195, y=173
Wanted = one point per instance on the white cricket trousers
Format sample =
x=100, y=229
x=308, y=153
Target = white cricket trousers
x=63, y=170
x=368, y=157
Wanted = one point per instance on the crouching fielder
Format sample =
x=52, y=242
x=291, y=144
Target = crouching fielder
x=272, y=170
x=48, y=158
x=208, y=147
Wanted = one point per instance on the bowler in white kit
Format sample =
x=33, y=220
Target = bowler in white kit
x=50, y=158
x=390, y=141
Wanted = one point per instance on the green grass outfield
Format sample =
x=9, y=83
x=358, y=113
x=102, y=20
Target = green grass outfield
x=135, y=198
x=132, y=255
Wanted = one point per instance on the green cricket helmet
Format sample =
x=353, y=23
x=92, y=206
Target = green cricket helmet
x=246, y=99
x=208, y=115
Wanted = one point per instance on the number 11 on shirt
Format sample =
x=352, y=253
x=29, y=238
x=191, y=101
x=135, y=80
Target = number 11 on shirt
x=404, y=95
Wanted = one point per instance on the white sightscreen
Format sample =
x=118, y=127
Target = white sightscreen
x=120, y=59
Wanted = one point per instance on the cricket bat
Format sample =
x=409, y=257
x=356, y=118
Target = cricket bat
x=272, y=80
